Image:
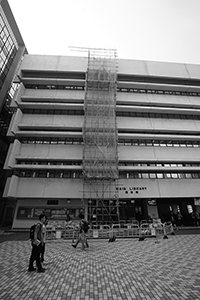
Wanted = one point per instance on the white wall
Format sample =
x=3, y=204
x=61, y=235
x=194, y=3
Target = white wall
x=50, y=188
x=54, y=63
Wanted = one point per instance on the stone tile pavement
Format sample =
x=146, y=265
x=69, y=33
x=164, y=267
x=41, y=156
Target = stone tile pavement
x=126, y=269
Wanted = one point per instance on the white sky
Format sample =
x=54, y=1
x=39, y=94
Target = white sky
x=158, y=30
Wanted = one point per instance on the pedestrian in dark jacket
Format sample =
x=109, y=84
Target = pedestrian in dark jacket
x=37, y=244
x=82, y=233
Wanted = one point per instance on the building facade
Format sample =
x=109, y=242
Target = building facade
x=156, y=111
x=12, y=49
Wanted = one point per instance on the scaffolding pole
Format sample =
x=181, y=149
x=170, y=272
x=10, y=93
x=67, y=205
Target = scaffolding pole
x=100, y=157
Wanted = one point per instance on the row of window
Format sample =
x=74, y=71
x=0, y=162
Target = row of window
x=157, y=115
x=53, y=112
x=6, y=64
x=128, y=164
x=124, y=142
x=158, y=143
x=156, y=175
x=173, y=165
x=118, y=114
x=160, y=92
x=122, y=175
x=49, y=174
x=8, y=49
x=49, y=163
x=52, y=87
x=129, y=90
x=7, y=111
x=49, y=140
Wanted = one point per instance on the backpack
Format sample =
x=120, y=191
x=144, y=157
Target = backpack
x=32, y=231
x=85, y=226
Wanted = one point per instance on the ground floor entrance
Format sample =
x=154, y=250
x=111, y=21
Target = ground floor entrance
x=109, y=211
x=179, y=211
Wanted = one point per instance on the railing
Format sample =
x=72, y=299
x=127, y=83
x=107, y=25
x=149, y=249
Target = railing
x=134, y=229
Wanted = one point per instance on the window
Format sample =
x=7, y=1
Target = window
x=159, y=175
x=149, y=143
x=42, y=174
x=156, y=143
x=169, y=144
x=188, y=175
x=195, y=175
x=174, y=175
x=167, y=175
x=163, y=144
x=152, y=175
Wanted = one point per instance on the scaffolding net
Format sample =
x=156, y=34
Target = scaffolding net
x=100, y=158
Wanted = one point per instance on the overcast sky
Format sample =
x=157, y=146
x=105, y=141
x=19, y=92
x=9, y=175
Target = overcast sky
x=158, y=30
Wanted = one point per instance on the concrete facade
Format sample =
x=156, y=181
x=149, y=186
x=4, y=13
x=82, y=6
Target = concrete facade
x=158, y=122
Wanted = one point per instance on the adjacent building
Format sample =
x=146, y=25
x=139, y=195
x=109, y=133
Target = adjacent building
x=60, y=165
x=12, y=49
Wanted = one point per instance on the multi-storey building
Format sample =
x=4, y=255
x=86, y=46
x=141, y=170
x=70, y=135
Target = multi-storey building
x=12, y=49
x=62, y=165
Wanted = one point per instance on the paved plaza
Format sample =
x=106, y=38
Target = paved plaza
x=124, y=269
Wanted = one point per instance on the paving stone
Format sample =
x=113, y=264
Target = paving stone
x=126, y=269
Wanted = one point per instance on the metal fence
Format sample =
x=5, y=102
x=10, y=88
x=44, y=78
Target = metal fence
x=135, y=229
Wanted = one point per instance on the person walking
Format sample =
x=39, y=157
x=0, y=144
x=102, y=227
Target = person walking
x=37, y=243
x=83, y=229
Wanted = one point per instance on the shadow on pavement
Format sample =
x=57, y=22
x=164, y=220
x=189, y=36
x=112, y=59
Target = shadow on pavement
x=13, y=236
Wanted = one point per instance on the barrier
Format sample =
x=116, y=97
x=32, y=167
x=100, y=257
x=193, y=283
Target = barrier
x=144, y=231
x=134, y=230
x=126, y=230
x=163, y=230
x=169, y=228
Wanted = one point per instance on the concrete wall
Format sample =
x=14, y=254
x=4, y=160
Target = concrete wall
x=34, y=95
x=75, y=152
x=131, y=153
x=53, y=188
x=125, y=66
x=52, y=95
x=64, y=121
x=54, y=63
x=60, y=122
x=159, y=100
x=150, y=188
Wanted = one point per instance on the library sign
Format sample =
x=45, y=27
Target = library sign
x=131, y=189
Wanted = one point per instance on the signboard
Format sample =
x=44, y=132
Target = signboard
x=152, y=202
